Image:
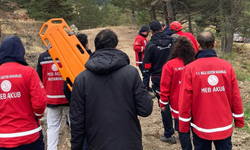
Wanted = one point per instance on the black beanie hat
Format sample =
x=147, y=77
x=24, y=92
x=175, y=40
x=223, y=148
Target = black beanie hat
x=144, y=28
x=155, y=25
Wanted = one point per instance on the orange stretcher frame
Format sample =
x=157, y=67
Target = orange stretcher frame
x=64, y=46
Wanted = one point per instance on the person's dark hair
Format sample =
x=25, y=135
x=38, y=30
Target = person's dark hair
x=206, y=39
x=155, y=26
x=106, y=39
x=183, y=49
x=83, y=39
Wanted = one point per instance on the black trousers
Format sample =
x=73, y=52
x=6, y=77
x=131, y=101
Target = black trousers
x=145, y=76
x=37, y=145
x=176, y=124
x=202, y=144
x=185, y=141
x=166, y=115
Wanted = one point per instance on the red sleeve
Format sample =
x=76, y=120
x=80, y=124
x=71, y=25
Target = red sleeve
x=185, y=101
x=139, y=45
x=195, y=45
x=147, y=66
x=38, y=95
x=165, y=85
x=237, y=107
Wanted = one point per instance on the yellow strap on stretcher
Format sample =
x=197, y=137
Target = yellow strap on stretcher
x=64, y=46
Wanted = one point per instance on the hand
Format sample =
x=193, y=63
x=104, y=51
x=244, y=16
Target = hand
x=163, y=108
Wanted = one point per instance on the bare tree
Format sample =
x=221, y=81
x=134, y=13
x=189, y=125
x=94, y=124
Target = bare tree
x=229, y=23
x=170, y=10
x=165, y=12
x=133, y=17
x=153, y=15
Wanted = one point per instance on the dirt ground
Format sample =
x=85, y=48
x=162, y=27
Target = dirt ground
x=152, y=127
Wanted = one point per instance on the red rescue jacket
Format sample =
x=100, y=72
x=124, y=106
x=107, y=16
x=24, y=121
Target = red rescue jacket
x=190, y=37
x=52, y=79
x=170, y=85
x=139, y=47
x=210, y=97
x=22, y=103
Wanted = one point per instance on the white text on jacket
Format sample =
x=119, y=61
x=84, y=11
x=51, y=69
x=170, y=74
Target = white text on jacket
x=213, y=89
x=11, y=95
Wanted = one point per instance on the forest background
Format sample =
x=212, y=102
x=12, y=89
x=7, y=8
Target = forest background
x=225, y=17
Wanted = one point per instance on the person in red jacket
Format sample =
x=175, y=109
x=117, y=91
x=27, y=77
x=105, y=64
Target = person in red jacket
x=209, y=99
x=182, y=55
x=176, y=29
x=139, y=48
x=22, y=99
x=57, y=103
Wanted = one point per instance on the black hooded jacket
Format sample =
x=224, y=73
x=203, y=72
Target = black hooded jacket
x=157, y=52
x=12, y=50
x=105, y=102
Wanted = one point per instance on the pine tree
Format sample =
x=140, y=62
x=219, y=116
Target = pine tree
x=88, y=14
x=47, y=9
x=113, y=16
x=101, y=2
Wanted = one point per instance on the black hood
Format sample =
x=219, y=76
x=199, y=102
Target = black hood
x=161, y=39
x=105, y=61
x=12, y=50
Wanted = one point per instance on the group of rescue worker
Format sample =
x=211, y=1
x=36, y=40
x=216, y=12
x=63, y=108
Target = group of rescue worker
x=192, y=85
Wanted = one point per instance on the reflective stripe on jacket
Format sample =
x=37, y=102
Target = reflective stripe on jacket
x=170, y=84
x=22, y=103
x=52, y=79
x=139, y=47
x=210, y=97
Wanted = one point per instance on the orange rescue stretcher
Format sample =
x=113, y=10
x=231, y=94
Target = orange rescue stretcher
x=64, y=47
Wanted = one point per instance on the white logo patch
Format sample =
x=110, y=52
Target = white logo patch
x=54, y=68
x=213, y=80
x=6, y=85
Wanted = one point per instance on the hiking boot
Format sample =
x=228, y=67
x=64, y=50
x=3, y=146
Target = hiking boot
x=170, y=140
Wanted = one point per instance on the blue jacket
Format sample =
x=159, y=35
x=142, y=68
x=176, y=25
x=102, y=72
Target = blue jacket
x=167, y=30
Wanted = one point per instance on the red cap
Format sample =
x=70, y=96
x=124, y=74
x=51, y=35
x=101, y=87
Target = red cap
x=175, y=26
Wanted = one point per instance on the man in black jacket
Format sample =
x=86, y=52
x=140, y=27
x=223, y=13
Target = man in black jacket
x=83, y=39
x=106, y=99
x=156, y=55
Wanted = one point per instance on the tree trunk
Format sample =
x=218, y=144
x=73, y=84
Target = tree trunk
x=227, y=43
x=190, y=24
x=133, y=17
x=222, y=43
x=228, y=26
x=165, y=12
x=171, y=15
x=153, y=15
